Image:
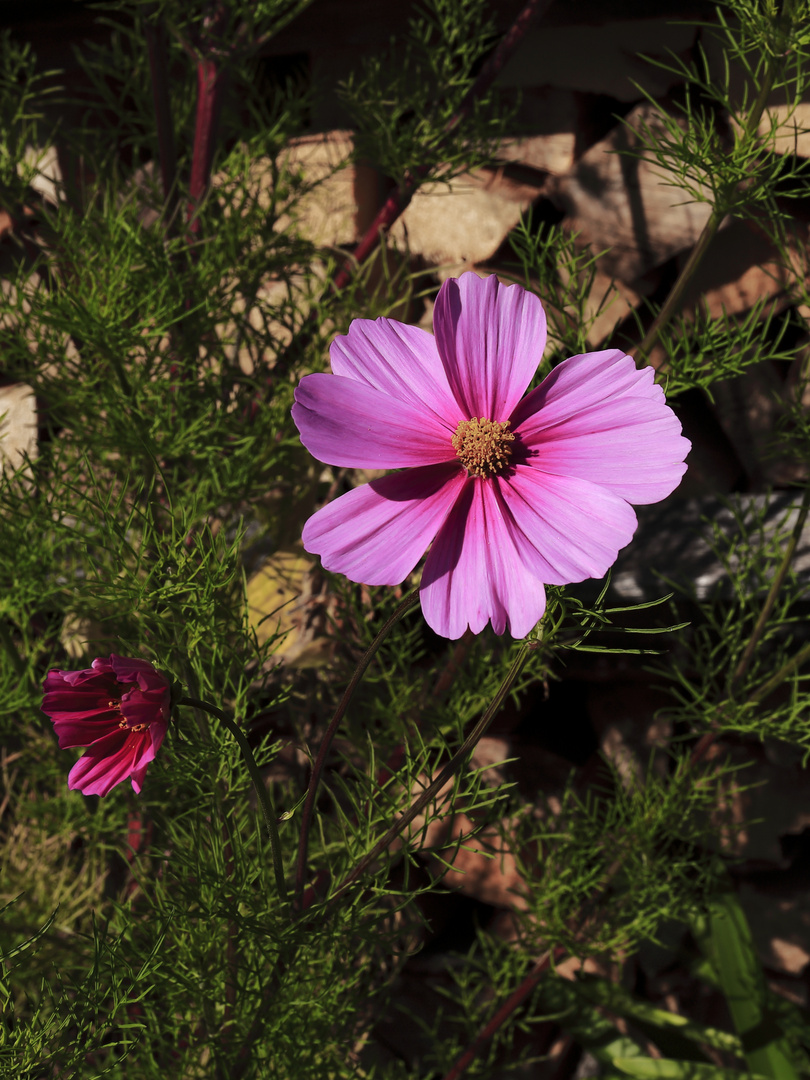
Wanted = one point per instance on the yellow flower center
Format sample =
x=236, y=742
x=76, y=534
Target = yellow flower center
x=124, y=726
x=483, y=446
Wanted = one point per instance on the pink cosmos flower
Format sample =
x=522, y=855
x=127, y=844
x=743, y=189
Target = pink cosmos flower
x=512, y=492
x=119, y=710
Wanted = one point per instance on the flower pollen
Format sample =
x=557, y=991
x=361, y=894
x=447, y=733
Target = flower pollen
x=483, y=446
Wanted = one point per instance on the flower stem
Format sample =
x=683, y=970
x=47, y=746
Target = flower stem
x=450, y=769
x=411, y=600
x=719, y=211
x=400, y=198
x=785, y=670
x=514, y=1001
x=710, y=737
x=258, y=784
x=210, y=91
x=773, y=592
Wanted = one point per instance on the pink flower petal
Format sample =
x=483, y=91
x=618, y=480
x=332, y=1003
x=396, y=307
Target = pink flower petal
x=86, y=681
x=599, y=418
x=343, y=422
x=137, y=778
x=491, y=339
x=566, y=529
x=475, y=573
x=401, y=361
x=58, y=702
x=377, y=533
x=138, y=671
x=104, y=765
x=83, y=730
x=145, y=706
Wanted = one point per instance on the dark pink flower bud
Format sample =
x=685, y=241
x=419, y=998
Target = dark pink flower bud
x=119, y=710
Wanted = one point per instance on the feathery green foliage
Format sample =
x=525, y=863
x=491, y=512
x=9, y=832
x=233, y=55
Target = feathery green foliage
x=163, y=328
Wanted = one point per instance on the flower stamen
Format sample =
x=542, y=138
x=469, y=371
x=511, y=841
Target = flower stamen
x=483, y=446
x=124, y=726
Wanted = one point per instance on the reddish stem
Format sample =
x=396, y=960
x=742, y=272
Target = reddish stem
x=399, y=199
x=513, y=1002
x=405, y=606
x=210, y=88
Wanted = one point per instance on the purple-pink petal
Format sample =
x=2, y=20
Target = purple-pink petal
x=107, y=762
x=399, y=360
x=128, y=669
x=377, y=533
x=87, y=681
x=137, y=777
x=86, y=729
x=475, y=573
x=598, y=417
x=347, y=423
x=491, y=339
x=57, y=702
x=565, y=528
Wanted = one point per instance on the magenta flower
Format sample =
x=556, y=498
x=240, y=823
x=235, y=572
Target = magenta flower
x=119, y=710
x=512, y=494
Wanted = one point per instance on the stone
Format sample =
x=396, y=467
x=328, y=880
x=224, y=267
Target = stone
x=742, y=266
x=18, y=425
x=673, y=538
x=480, y=866
x=601, y=56
x=327, y=214
x=608, y=303
x=749, y=408
x=625, y=207
x=550, y=114
x=280, y=597
x=790, y=125
x=47, y=175
x=456, y=225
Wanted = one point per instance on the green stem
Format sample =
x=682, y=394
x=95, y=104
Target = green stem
x=711, y=737
x=436, y=785
x=679, y=288
x=773, y=592
x=411, y=600
x=785, y=670
x=719, y=211
x=12, y=651
x=258, y=784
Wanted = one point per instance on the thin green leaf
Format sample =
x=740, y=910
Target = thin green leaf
x=668, y=1069
x=623, y=1003
x=725, y=937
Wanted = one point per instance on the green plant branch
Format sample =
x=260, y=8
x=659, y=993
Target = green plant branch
x=719, y=211
x=710, y=737
x=513, y=1002
x=773, y=592
x=436, y=785
x=410, y=601
x=258, y=784
x=768, y=687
